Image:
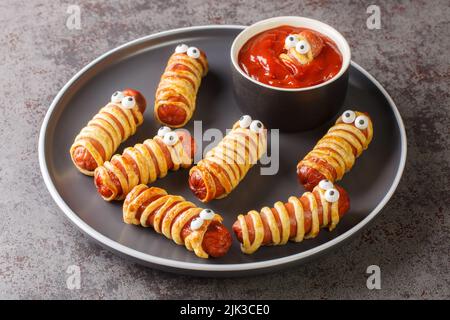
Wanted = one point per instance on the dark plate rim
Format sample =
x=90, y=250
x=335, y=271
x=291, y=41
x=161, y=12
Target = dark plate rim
x=150, y=259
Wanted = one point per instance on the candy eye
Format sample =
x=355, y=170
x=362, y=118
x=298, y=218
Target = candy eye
x=256, y=126
x=196, y=224
x=302, y=47
x=325, y=184
x=117, y=97
x=193, y=52
x=163, y=130
x=332, y=195
x=290, y=41
x=245, y=121
x=361, y=122
x=170, y=138
x=207, y=214
x=128, y=102
x=181, y=48
x=348, y=116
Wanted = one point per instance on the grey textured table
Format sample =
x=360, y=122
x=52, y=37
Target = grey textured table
x=409, y=240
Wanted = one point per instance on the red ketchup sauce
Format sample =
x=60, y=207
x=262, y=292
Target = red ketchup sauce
x=259, y=58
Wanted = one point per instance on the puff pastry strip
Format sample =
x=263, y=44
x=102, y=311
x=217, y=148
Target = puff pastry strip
x=298, y=219
x=335, y=153
x=111, y=126
x=224, y=166
x=178, y=87
x=143, y=163
x=311, y=46
x=173, y=216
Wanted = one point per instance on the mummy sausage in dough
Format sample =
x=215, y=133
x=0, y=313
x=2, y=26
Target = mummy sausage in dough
x=224, y=166
x=144, y=163
x=298, y=219
x=111, y=126
x=336, y=152
x=177, y=90
x=301, y=48
x=199, y=230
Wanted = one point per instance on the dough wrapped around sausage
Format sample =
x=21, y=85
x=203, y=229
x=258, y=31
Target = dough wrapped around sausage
x=111, y=126
x=144, y=163
x=298, y=219
x=199, y=230
x=177, y=90
x=336, y=152
x=301, y=48
x=224, y=166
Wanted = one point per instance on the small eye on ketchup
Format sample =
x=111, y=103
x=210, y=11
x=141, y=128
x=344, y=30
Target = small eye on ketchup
x=260, y=59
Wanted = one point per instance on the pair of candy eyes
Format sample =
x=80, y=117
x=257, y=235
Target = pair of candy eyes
x=205, y=214
x=192, y=52
x=361, y=122
x=128, y=102
x=255, y=125
x=169, y=137
x=331, y=193
x=301, y=46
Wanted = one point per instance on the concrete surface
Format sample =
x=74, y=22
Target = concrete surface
x=409, y=240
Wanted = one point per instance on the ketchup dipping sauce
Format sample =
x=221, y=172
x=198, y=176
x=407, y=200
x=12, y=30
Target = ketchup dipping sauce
x=260, y=59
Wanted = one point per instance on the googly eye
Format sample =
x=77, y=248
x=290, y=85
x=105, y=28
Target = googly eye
x=361, y=122
x=245, y=121
x=196, y=224
x=348, y=116
x=193, y=52
x=128, y=102
x=290, y=41
x=181, y=48
x=207, y=214
x=332, y=195
x=302, y=47
x=256, y=126
x=117, y=97
x=170, y=138
x=163, y=130
x=326, y=184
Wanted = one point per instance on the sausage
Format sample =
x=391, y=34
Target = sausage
x=335, y=153
x=188, y=142
x=315, y=41
x=84, y=159
x=178, y=87
x=173, y=216
x=224, y=166
x=143, y=163
x=171, y=114
x=199, y=183
x=216, y=240
x=103, y=134
x=309, y=177
x=287, y=212
x=293, y=57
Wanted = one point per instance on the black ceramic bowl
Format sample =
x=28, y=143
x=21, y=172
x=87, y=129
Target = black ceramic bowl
x=295, y=109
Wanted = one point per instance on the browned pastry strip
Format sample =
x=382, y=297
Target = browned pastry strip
x=177, y=90
x=199, y=230
x=224, y=166
x=336, y=152
x=302, y=48
x=298, y=219
x=111, y=126
x=144, y=163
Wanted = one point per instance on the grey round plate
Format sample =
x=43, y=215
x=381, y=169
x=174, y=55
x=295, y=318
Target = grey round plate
x=139, y=64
